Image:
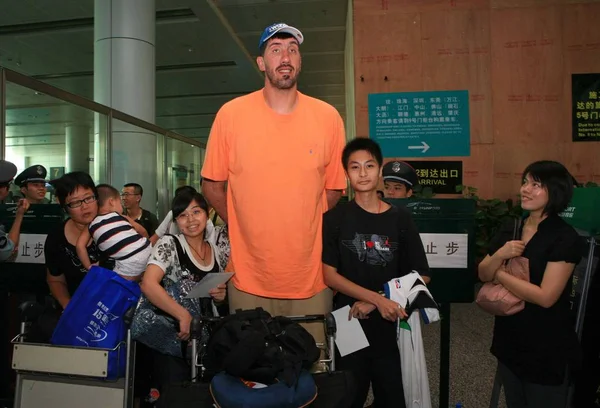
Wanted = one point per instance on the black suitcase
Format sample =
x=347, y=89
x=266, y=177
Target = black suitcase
x=186, y=395
x=334, y=390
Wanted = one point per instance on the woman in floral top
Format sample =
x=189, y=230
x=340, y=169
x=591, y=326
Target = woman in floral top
x=190, y=210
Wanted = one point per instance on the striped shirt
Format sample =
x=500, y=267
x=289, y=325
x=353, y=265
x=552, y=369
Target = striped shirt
x=116, y=237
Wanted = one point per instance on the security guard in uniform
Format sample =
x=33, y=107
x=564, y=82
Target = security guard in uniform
x=32, y=182
x=399, y=179
x=9, y=242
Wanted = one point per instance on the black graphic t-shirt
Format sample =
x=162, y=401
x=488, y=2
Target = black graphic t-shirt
x=62, y=259
x=370, y=250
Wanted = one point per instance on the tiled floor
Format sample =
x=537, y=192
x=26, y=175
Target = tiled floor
x=472, y=367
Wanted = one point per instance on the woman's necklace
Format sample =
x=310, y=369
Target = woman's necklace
x=197, y=253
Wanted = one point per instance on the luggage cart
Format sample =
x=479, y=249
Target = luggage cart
x=327, y=350
x=71, y=377
x=335, y=388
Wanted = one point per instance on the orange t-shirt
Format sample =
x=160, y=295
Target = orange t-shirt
x=278, y=168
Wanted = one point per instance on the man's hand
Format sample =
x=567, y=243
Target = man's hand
x=390, y=310
x=361, y=310
x=22, y=206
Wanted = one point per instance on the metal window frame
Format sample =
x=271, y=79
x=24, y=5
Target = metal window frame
x=7, y=75
x=42, y=87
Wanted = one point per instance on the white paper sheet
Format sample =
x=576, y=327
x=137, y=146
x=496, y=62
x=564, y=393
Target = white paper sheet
x=349, y=336
x=210, y=281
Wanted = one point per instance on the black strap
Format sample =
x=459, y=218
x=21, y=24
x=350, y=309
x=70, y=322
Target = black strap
x=517, y=229
x=214, y=219
x=185, y=261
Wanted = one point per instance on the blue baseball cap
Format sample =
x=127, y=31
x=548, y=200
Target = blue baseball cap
x=273, y=29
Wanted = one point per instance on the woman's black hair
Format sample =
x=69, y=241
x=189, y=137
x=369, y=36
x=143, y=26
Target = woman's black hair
x=70, y=182
x=184, y=199
x=557, y=180
x=181, y=189
x=362, y=143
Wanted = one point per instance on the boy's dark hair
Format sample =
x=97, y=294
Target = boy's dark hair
x=279, y=35
x=358, y=144
x=183, y=200
x=106, y=191
x=181, y=189
x=136, y=188
x=70, y=182
x=557, y=180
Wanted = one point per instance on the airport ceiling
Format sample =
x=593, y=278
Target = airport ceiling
x=205, y=56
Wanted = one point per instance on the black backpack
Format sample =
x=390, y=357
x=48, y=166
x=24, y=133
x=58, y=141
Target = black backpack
x=253, y=345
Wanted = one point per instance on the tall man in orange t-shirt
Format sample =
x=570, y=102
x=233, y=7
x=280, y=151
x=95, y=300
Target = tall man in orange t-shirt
x=272, y=168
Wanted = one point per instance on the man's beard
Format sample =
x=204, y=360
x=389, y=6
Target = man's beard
x=287, y=82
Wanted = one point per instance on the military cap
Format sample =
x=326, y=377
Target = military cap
x=35, y=173
x=400, y=172
x=7, y=171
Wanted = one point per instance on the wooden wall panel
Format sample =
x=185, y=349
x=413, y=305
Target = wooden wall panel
x=533, y=47
x=583, y=161
x=456, y=55
x=477, y=169
x=581, y=38
x=527, y=74
x=385, y=44
x=510, y=159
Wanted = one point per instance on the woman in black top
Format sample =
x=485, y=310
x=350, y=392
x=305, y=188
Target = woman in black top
x=535, y=346
x=76, y=193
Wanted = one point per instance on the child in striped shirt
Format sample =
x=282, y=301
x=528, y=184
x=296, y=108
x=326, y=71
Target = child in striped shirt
x=117, y=236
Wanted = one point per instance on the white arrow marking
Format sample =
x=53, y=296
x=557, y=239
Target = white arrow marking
x=423, y=146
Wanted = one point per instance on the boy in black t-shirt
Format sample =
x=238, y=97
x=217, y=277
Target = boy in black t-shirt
x=366, y=243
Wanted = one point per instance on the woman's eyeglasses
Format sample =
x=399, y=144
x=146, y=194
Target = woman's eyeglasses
x=79, y=203
x=191, y=215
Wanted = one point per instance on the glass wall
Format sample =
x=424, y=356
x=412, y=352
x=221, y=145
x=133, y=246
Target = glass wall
x=183, y=165
x=60, y=136
x=64, y=132
x=134, y=160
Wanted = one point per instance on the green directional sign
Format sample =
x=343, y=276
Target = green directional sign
x=421, y=124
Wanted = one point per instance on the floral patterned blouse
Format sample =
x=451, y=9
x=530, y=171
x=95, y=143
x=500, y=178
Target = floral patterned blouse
x=164, y=255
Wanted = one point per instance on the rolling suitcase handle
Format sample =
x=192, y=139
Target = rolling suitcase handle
x=195, y=333
x=330, y=329
x=130, y=360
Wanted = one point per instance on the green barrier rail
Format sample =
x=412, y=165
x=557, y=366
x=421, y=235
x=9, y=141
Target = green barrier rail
x=446, y=222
